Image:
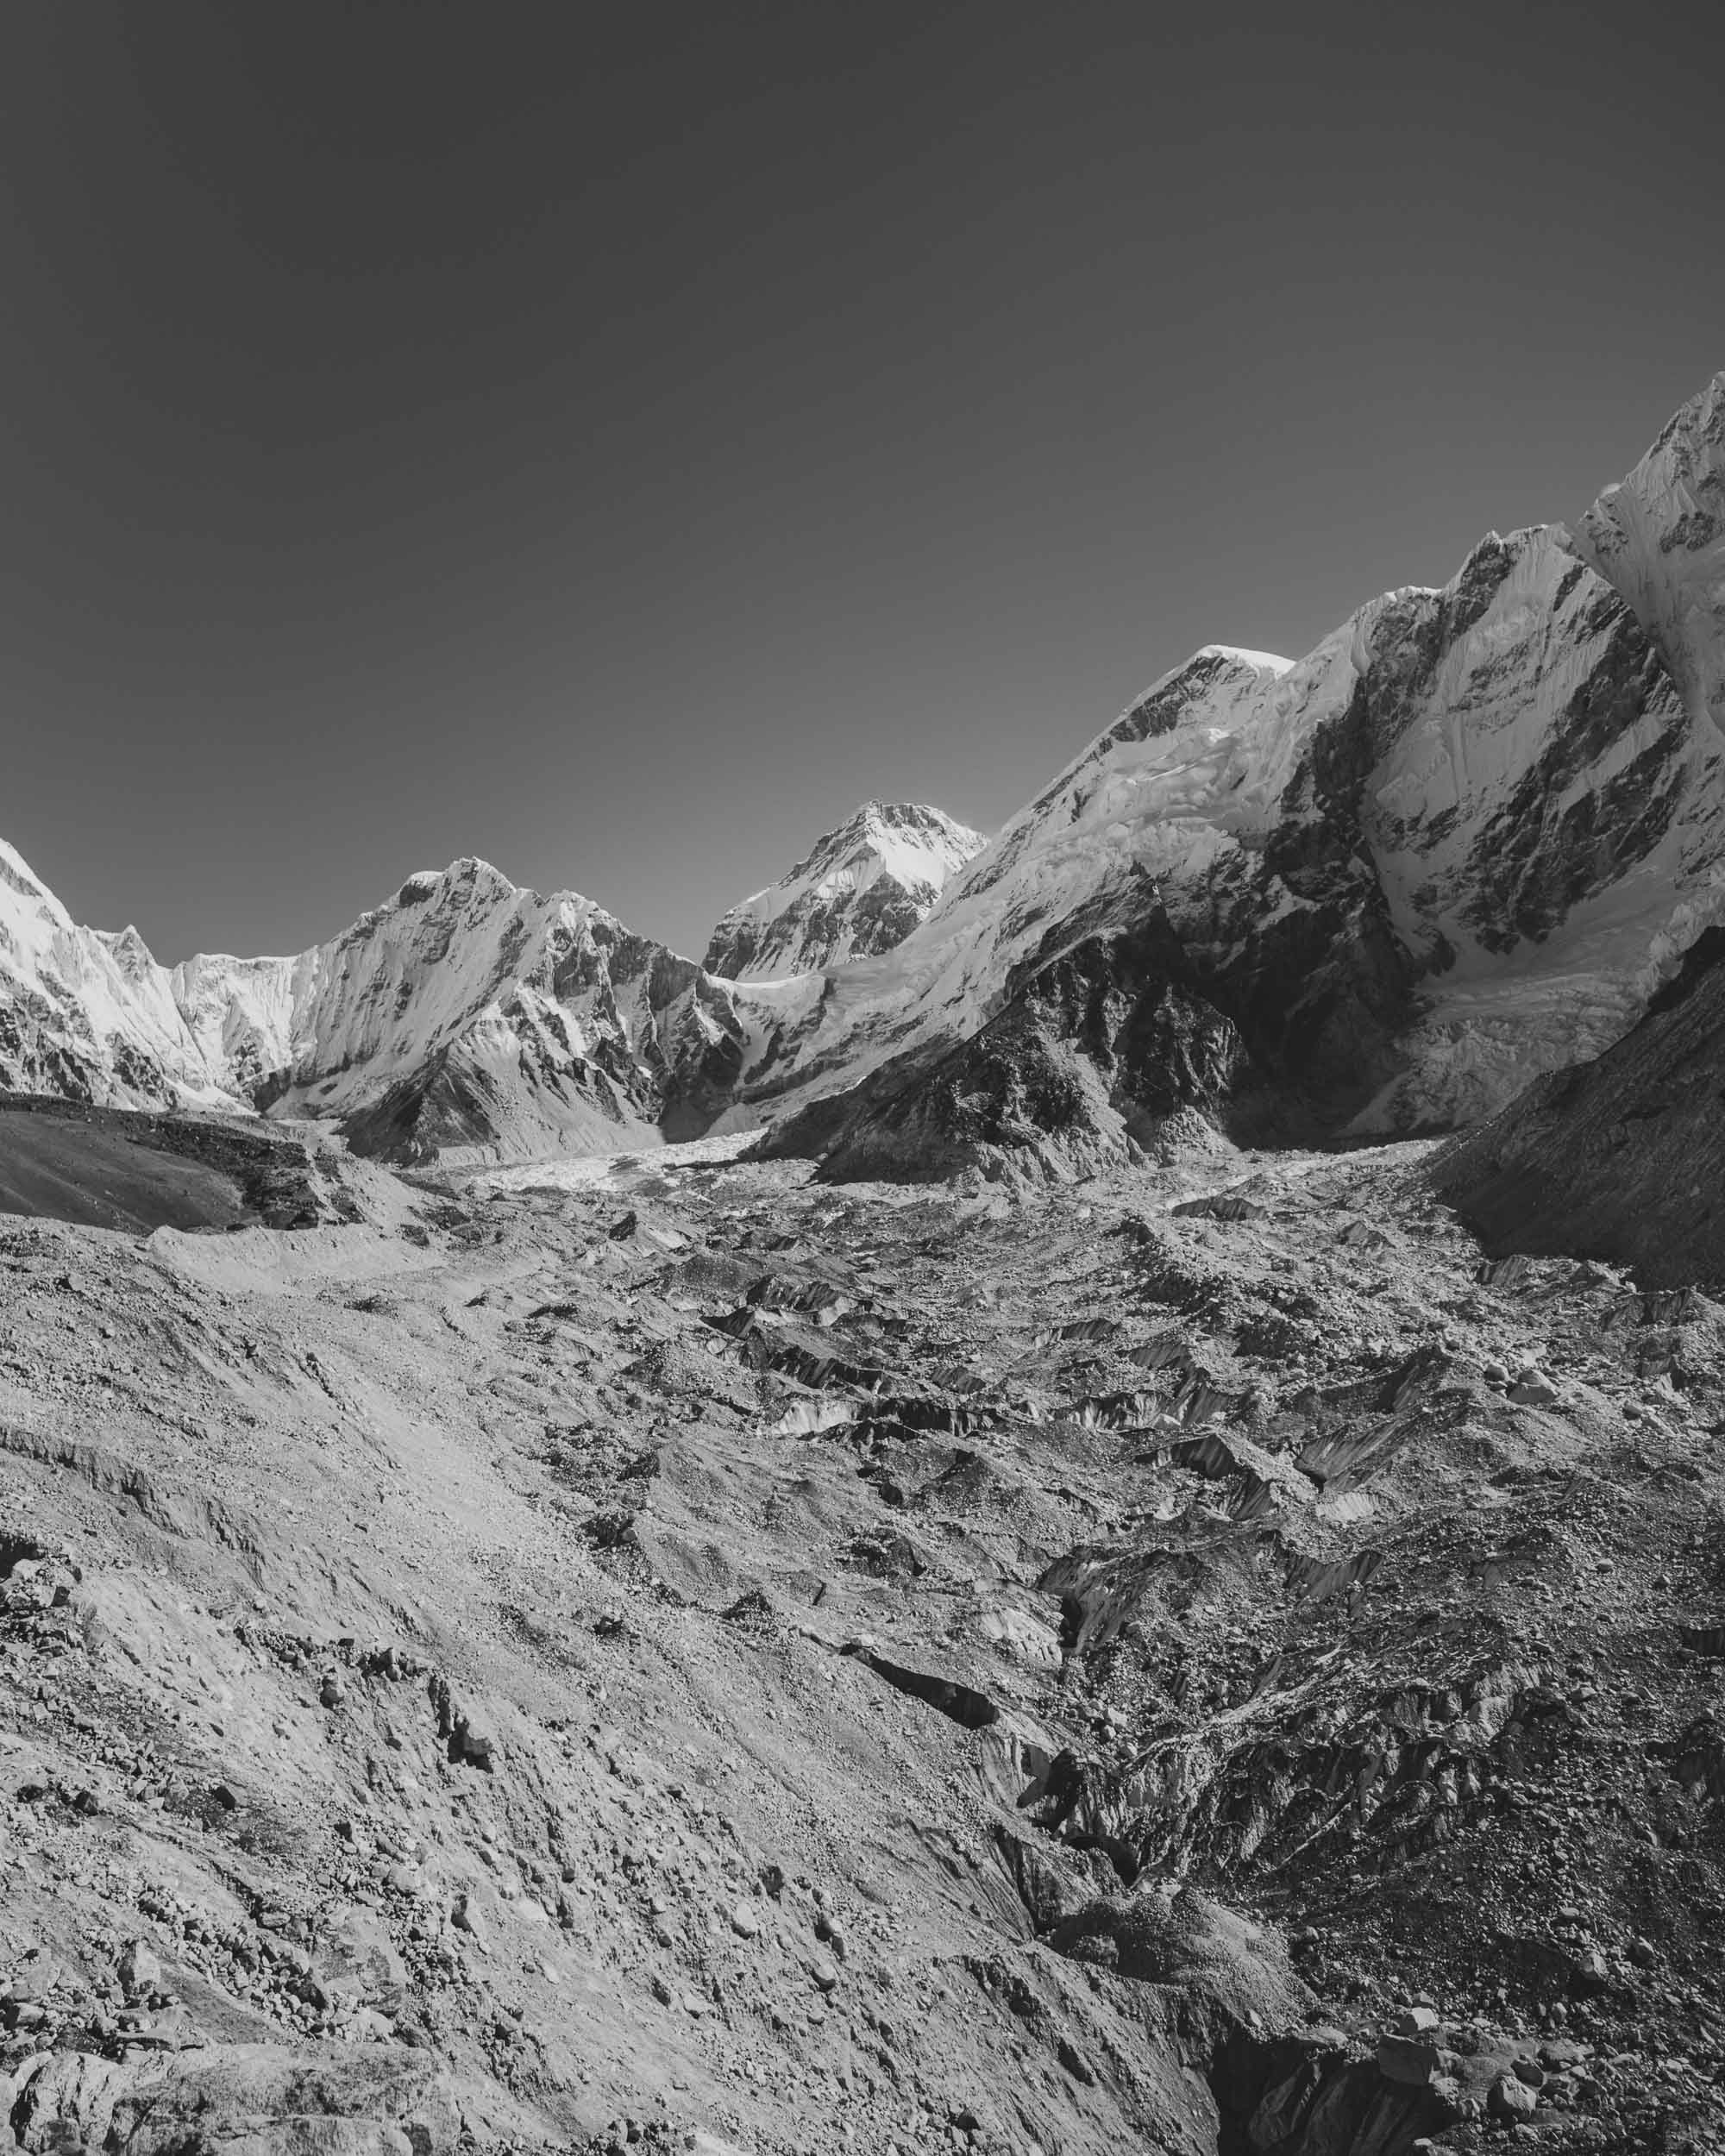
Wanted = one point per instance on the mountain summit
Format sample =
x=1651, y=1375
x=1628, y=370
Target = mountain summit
x=856, y=894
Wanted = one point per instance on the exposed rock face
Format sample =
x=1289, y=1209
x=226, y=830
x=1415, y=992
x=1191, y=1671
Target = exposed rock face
x=858, y=893
x=1095, y=1056
x=1622, y=1158
x=389, y=2100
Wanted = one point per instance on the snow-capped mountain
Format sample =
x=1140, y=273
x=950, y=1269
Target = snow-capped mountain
x=463, y=1017
x=86, y=1013
x=1463, y=842
x=467, y=1017
x=858, y=893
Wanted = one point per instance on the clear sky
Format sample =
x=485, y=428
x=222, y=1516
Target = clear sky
x=617, y=440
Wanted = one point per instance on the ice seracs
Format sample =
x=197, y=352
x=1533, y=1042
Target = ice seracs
x=858, y=893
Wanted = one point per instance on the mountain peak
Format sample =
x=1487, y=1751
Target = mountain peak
x=1258, y=661
x=858, y=893
x=1659, y=536
x=886, y=824
x=465, y=876
x=130, y=952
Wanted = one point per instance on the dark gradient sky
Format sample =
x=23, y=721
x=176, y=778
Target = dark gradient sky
x=616, y=441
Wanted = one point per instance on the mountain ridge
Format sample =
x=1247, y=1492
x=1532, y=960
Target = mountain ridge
x=1460, y=843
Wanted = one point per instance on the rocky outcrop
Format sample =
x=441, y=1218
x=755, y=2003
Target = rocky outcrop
x=263, y=2099
x=856, y=894
x=1098, y=1056
x=387, y=2100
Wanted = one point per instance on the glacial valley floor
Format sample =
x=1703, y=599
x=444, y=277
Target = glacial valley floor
x=689, y=1657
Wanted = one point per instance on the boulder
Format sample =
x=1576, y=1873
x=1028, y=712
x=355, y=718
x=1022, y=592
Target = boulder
x=61, y=2096
x=1412, y=2060
x=1511, y=2099
x=139, y=1968
x=356, y=1949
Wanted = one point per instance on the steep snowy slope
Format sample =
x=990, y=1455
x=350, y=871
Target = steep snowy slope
x=1548, y=832
x=1659, y=538
x=859, y=893
x=87, y=1015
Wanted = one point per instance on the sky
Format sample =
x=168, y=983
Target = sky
x=618, y=441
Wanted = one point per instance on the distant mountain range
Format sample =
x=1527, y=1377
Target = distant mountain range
x=463, y=1017
x=1464, y=842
